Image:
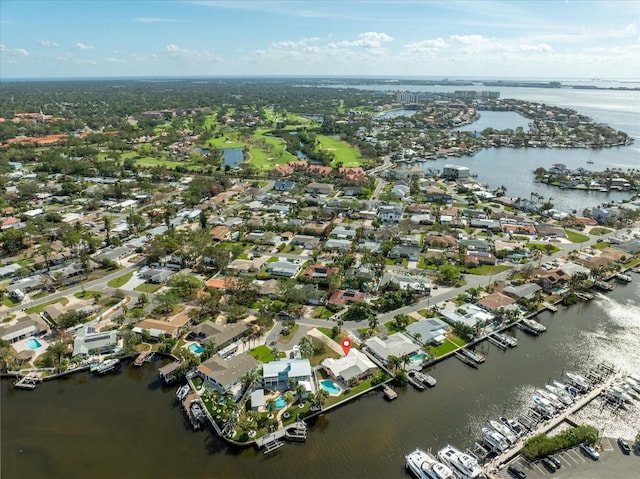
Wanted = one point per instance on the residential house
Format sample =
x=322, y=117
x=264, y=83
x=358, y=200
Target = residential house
x=429, y=331
x=479, y=258
x=353, y=367
x=88, y=341
x=306, y=241
x=496, y=301
x=284, y=185
x=283, y=268
x=411, y=253
x=396, y=344
x=22, y=328
x=319, y=188
x=226, y=374
x=319, y=271
x=343, y=232
x=527, y=290
x=390, y=213
x=401, y=191
x=338, y=244
x=468, y=314
x=344, y=297
x=221, y=335
x=435, y=194
x=455, y=172
x=287, y=374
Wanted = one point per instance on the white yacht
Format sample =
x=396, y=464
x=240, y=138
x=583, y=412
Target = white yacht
x=512, y=424
x=543, y=405
x=463, y=465
x=552, y=398
x=504, y=430
x=573, y=392
x=578, y=381
x=183, y=391
x=561, y=394
x=495, y=439
x=425, y=466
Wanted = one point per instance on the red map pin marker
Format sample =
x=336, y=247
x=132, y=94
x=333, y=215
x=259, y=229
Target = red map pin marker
x=346, y=346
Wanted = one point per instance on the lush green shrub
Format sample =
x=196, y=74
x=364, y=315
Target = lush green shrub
x=543, y=445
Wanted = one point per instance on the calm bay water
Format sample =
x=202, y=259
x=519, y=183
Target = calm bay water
x=127, y=425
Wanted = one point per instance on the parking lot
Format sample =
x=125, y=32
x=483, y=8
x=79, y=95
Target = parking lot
x=612, y=464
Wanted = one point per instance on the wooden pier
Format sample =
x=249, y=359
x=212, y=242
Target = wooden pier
x=27, y=382
x=186, y=406
x=142, y=358
x=496, y=342
x=466, y=360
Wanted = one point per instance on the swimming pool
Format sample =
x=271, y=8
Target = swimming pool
x=418, y=357
x=32, y=343
x=196, y=348
x=332, y=388
x=280, y=402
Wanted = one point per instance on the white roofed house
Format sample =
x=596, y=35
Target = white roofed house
x=396, y=344
x=390, y=213
x=353, y=367
x=281, y=374
x=89, y=341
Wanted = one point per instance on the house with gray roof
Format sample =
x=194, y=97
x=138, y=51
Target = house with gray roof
x=430, y=331
x=397, y=344
x=283, y=268
x=226, y=374
x=31, y=325
x=354, y=366
x=338, y=244
x=89, y=341
x=220, y=335
x=412, y=253
x=306, y=241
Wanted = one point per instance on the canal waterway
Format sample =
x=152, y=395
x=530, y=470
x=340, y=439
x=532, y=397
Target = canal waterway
x=127, y=425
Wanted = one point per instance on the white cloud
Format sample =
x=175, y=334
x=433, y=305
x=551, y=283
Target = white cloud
x=114, y=61
x=540, y=47
x=174, y=51
x=367, y=40
x=426, y=46
x=155, y=20
x=10, y=54
x=47, y=43
x=84, y=46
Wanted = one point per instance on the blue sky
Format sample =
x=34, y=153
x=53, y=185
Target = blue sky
x=536, y=38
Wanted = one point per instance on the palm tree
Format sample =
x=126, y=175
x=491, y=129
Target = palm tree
x=393, y=362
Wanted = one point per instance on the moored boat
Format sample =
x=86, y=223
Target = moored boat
x=544, y=406
x=496, y=440
x=182, y=392
x=504, y=430
x=578, y=381
x=573, y=392
x=424, y=466
x=512, y=424
x=462, y=464
x=561, y=394
x=105, y=366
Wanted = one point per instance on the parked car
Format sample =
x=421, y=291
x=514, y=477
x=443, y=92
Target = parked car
x=556, y=462
x=624, y=446
x=548, y=465
x=590, y=451
x=515, y=471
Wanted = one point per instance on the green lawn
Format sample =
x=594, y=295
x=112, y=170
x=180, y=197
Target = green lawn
x=40, y=308
x=147, y=288
x=343, y=152
x=262, y=354
x=487, y=269
x=576, y=237
x=392, y=327
x=87, y=294
x=322, y=313
x=451, y=343
x=120, y=281
x=599, y=231
x=363, y=386
x=601, y=245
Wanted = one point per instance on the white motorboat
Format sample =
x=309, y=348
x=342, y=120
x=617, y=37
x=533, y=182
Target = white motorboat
x=578, y=381
x=561, y=394
x=462, y=464
x=551, y=398
x=182, y=392
x=508, y=340
x=633, y=384
x=544, y=406
x=504, y=430
x=512, y=424
x=424, y=466
x=496, y=440
x=617, y=392
x=573, y=392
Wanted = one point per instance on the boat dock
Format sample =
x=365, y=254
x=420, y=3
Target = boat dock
x=537, y=424
x=27, y=382
x=186, y=406
x=143, y=358
x=550, y=307
x=415, y=383
x=497, y=342
x=271, y=442
x=466, y=360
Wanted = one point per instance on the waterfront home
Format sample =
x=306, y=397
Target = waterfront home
x=258, y=401
x=496, y=301
x=89, y=341
x=352, y=367
x=468, y=314
x=22, y=328
x=397, y=344
x=172, y=327
x=287, y=373
x=226, y=374
x=429, y=331
x=221, y=335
